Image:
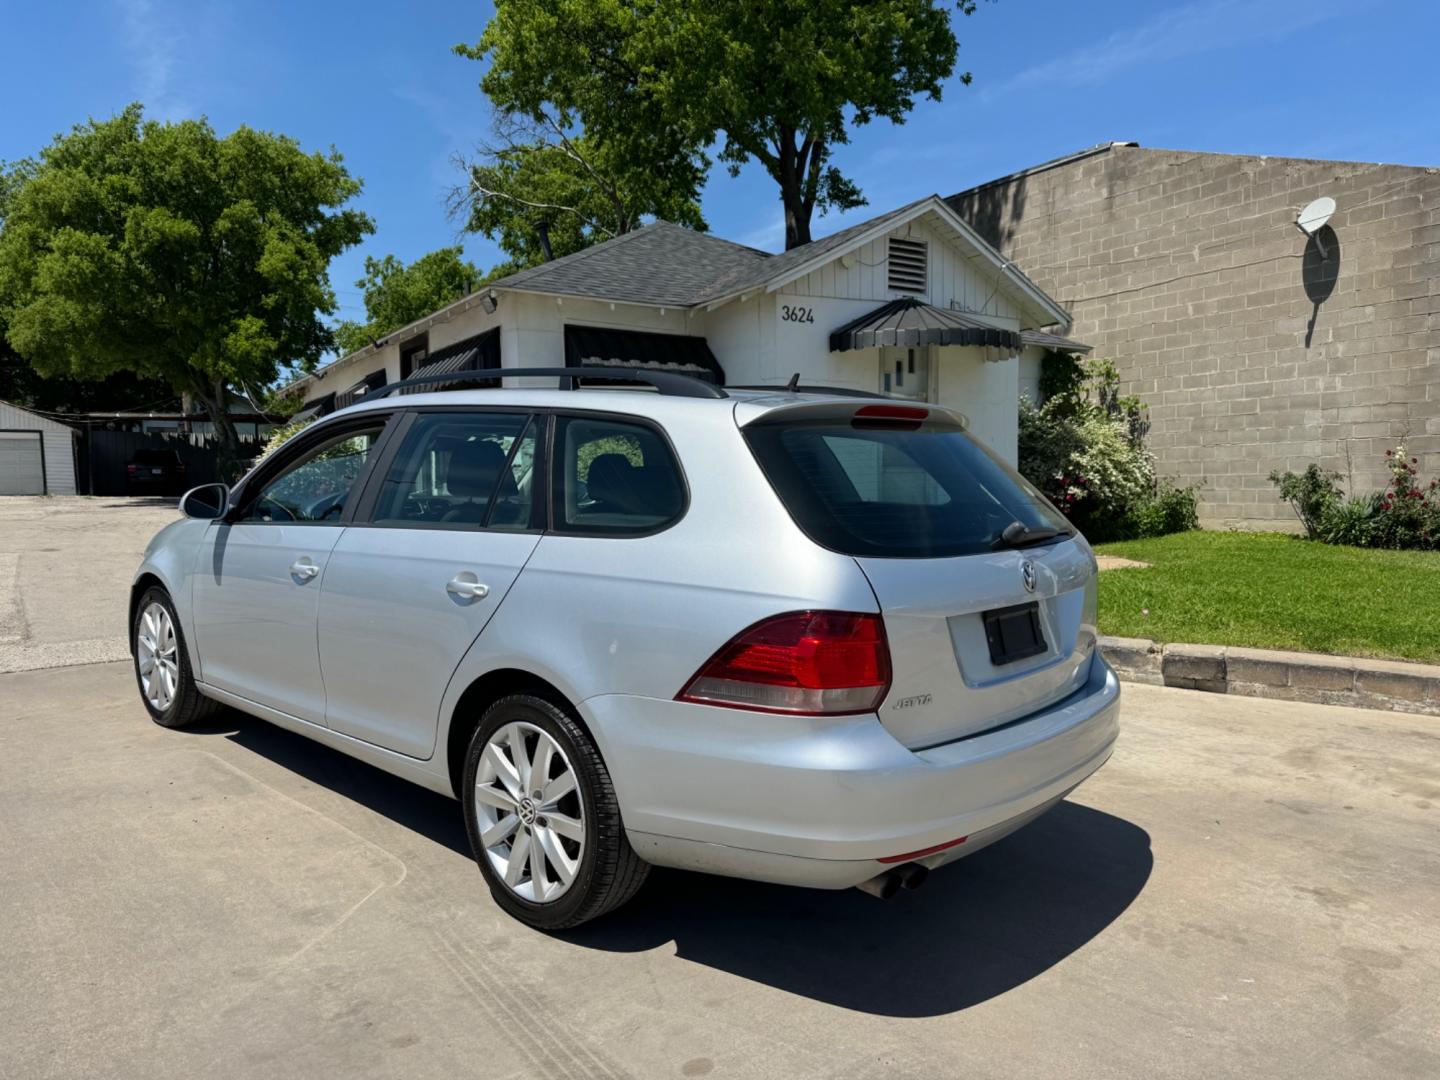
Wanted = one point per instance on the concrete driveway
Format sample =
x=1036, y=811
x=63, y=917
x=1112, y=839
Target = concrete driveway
x=1249, y=888
x=65, y=571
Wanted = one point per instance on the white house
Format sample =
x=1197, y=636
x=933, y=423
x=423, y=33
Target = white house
x=37, y=455
x=912, y=302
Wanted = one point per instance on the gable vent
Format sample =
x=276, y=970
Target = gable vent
x=907, y=263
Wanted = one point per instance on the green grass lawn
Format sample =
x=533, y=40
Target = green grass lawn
x=1271, y=591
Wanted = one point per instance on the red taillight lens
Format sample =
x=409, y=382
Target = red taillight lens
x=813, y=663
x=132, y=468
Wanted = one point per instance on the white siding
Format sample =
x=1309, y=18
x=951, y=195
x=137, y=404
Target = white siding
x=954, y=279
x=59, y=443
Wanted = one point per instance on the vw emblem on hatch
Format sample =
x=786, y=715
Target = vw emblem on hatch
x=1027, y=575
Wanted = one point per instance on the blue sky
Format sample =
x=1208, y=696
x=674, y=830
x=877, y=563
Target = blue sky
x=1348, y=79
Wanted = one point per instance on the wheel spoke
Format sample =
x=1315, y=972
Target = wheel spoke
x=147, y=664
x=557, y=789
x=515, y=865
x=540, y=766
x=518, y=755
x=537, y=866
x=566, y=826
x=493, y=796
x=499, y=831
x=555, y=855
x=504, y=771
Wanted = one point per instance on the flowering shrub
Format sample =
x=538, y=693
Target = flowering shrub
x=1085, y=449
x=1405, y=515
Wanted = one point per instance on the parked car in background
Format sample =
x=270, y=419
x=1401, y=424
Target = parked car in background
x=798, y=637
x=156, y=472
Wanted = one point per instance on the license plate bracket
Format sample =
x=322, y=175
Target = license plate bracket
x=1014, y=633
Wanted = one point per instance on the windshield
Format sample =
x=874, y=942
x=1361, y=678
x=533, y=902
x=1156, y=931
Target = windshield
x=892, y=491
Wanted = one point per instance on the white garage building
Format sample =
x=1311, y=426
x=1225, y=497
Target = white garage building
x=37, y=455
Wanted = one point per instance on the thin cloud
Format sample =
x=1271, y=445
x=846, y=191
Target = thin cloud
x=153, y=47
x=1187, y=30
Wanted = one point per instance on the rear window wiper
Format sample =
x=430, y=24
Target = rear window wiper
x=1017, y=535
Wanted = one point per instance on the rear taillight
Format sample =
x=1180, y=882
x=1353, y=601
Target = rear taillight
x=132, y=468
x=813, y=663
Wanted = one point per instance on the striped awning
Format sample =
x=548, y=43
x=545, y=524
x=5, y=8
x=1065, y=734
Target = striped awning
x=478, y=353
x=911, y=322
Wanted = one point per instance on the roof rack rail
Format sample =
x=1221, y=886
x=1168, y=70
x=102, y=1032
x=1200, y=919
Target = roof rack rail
x=668, y=383
x=833, y=391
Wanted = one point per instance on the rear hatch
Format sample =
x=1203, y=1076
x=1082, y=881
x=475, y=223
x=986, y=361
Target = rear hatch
x=987, y=593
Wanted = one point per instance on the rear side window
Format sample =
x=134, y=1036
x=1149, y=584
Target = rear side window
x=614, y=478
x=896, y=492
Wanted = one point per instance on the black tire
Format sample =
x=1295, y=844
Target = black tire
x=609, y=872
x=187, y=706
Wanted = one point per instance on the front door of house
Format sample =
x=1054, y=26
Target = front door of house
x=905, y=372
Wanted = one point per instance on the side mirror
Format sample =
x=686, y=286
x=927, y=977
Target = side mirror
x=207, y=502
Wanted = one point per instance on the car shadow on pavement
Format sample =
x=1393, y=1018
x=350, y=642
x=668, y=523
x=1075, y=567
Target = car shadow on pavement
x=418, y=809
x=976, y=929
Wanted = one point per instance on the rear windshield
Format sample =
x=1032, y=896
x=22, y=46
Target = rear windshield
x=893, y=492
x=156, y=457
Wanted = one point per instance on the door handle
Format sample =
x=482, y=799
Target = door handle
x=464, y=587
x=303, y=569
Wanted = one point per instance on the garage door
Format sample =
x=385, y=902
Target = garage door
x=22, y=466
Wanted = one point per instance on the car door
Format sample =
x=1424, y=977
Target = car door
x=446, y=525
x=256, y=596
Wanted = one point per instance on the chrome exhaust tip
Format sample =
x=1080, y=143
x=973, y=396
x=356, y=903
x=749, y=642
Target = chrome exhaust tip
x=885, y=885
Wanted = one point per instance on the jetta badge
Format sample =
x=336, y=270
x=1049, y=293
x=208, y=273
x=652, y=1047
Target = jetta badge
x=1027, y=575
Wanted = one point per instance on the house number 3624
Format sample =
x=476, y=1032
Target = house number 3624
x=796, y=314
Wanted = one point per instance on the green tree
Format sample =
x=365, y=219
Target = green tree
x=169, y=252
x=396, y=294
x=781, y=82
x=579, y=190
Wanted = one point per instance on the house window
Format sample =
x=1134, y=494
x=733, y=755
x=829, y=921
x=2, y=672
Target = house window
x=907, y=265
x=413, y=354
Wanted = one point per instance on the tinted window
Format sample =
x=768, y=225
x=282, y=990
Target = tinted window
x=462, y=470
x=157, y=457
x=614, y=477
x=317, y=485
x=925, y=492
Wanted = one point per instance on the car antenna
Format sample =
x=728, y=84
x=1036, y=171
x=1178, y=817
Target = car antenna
x=793, y=386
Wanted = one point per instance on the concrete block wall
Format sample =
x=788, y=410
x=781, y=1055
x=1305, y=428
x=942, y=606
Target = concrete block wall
x=1187, y=270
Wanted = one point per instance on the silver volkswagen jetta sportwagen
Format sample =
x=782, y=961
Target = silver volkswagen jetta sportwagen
x=802, y=637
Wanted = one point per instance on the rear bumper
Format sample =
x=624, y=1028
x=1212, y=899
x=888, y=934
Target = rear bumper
x=810, y=801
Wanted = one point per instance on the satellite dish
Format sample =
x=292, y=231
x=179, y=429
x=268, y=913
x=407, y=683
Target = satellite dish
x=1315, y=215
x=1313, y=218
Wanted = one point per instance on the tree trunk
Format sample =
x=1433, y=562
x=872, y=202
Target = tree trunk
x=797, y=216
x=227, y=439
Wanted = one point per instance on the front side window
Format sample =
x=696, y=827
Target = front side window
x=316, y=487
x=614, y=477
x=462, y=470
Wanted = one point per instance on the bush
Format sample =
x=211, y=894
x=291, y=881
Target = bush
x=1084, y=448
x=1350, y=521
x=1313, y=494
x=1169, y=510
x=1405, y=515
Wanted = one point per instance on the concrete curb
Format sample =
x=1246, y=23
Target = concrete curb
x=1291, y=676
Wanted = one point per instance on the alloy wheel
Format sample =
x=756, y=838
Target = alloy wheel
x=530, y=815
x=157, y=657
